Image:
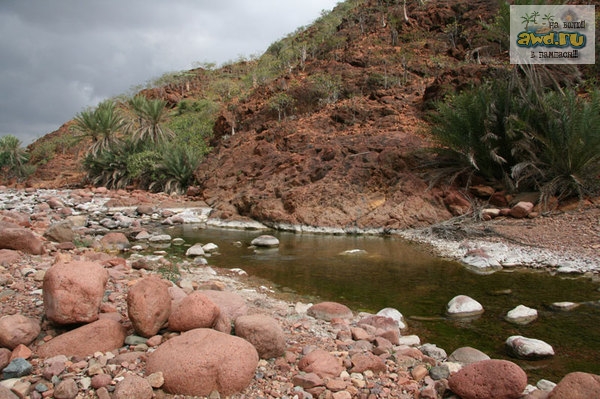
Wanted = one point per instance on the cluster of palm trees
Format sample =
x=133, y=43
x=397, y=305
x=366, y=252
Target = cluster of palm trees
x=132, y=144
x=143, y=120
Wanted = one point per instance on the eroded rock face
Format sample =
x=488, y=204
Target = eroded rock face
x=73, y=291
x=202, y=360
x=100, y=336
x=149, y=305
x=499, y=379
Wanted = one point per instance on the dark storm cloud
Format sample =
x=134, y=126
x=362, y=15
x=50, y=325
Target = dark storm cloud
x=58, y=57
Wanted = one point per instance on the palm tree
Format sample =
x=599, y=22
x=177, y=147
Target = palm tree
x=13, y=156
x=150, y=116
x=102, y=125
x=526, y=20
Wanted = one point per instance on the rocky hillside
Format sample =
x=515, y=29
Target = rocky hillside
x=336, y=138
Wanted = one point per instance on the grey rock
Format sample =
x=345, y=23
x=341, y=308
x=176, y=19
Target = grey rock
x=19, y=367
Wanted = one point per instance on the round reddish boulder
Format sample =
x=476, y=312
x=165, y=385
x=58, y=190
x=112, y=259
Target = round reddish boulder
x=499, y=379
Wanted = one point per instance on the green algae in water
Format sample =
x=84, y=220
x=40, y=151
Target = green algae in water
x=394, y=273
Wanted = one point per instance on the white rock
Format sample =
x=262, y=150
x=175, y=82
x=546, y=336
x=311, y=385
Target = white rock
x=528, y=348
x=160, y=238
x=393, y=314
x=302, y=308
x=195, y=250
x=210, y=247
x=564, y=305
x=521, y=315
x=464, y=306
x=265, y=241
x=409, y=340
x=238, y=271
x=354, y=252
x=545, y=385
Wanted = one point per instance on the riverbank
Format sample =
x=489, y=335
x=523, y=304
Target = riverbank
x=22, y=276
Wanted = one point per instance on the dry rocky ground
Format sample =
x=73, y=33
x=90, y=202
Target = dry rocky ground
x=327, y=351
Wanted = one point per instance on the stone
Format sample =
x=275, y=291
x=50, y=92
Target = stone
x=433, y=351
x=329, y=310
x=210, y=247
x=463, y=306
x=380, y=323
x=114, y=242
x=145, y=209
x=18, y=367
x=467, y=355
x=66, y=389
x=101, y=380
x=133, y=387
x=60, y=232
x=395, y=315
x=577, y=385
x=194, y=311
x=73, y=291
x=5, y=355
x=498, y=379
x=321, y=363
x=521, y=209
x=195, y=250
x=263, y=332
x=202, y=360
x=265, y=241
x=362, y=362
x=21, y=351
x=521, y=315
x=149, y=305
x=156, y=380
x=17, y=329
x=20, y=239
x=528, y=348
x=230, y=304
x=100, y=336
x=307, y=381
x=9, y=257
x=6, y=393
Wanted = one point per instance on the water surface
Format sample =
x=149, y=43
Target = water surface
x=403, y=275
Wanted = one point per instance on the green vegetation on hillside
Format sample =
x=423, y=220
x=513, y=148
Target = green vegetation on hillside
x=14, y=158
x=528, y=137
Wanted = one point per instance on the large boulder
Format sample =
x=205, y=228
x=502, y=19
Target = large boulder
x=17, y=329
x=203, y=360
x=498, y=379
x=263, y=332
x=528, y=348
x=577, y=385
x=329, y=310
x=231, y=304
x=194, y=311
x=73, y=291
x=149, y=305
x=20, y=239
x=133, y=387
x=100, y=336
x=266, y=241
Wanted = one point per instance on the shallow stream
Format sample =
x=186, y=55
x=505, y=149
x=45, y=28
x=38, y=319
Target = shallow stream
x=403, y=275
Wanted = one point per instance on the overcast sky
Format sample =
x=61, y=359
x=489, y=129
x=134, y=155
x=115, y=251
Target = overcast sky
x=58, y=57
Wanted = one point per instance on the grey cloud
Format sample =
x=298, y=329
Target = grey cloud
x=61, y=56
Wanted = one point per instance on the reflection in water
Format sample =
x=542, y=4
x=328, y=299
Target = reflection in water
x=399, y=274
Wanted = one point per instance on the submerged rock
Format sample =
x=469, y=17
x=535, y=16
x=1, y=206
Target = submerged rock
x=265, y=241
